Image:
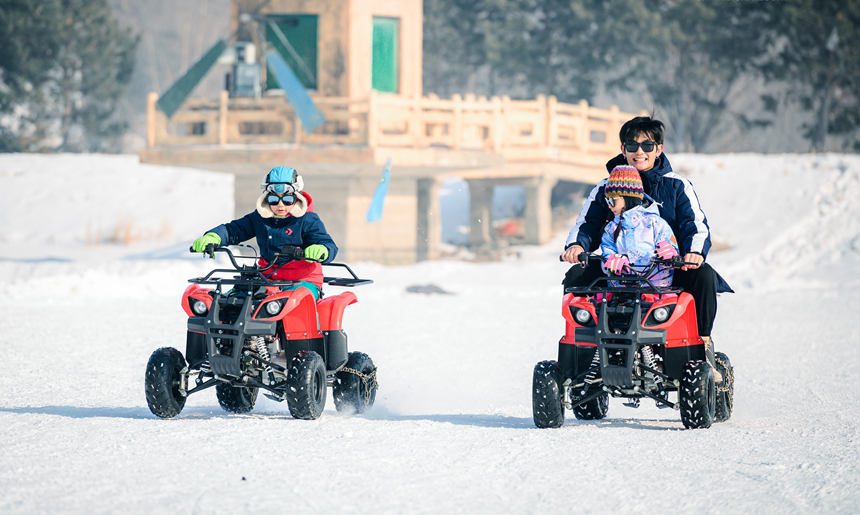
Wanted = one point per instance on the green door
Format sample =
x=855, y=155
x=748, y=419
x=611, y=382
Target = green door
x=300, y=31
x=384, y=76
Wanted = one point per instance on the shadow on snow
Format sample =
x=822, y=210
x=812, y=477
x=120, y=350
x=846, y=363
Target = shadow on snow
x=473, y=420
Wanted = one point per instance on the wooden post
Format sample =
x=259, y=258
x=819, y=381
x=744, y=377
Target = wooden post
x=506, y=122
x=498, y=125
x=540, y=124
x=551, y=121
x=222, y=118
x=151, y=99
x=614, y=125
x=457, y=129
x=584, y=136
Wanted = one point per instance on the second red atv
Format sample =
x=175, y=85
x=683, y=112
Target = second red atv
x=631, y=340
x=259, y=335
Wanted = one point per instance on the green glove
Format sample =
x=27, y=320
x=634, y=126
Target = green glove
x=210, y=238
x=316, y=253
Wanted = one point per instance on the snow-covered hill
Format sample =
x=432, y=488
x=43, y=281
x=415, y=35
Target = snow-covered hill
x=451, y=431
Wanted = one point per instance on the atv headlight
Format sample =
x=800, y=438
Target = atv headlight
x=661, y=314
x=198, y=307
x=582, y=316
x=273, y=308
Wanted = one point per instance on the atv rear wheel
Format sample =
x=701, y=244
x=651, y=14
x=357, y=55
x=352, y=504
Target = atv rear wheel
x=594, y=409
x=726, y=390
x=354, y=393
x=163, y=382
x=306, y=385
x=236, y=399
x=547, y=407
x=697, y=395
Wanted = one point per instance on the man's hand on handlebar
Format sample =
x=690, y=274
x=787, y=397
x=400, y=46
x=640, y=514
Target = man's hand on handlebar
x=692, y=261
x=571, y=254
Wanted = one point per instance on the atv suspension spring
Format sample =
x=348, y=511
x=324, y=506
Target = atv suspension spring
x=260, y=346
x=594, y=368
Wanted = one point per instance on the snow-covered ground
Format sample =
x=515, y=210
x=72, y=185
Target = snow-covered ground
x=451, y=431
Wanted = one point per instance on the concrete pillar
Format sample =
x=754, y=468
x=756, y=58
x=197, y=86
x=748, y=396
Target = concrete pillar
x=480, y=212
x=429, y=230
x=538, y=215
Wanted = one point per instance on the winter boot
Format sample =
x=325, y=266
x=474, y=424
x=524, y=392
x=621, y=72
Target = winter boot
x=709, y=356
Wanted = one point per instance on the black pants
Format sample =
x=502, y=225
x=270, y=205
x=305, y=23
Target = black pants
x=701, y=283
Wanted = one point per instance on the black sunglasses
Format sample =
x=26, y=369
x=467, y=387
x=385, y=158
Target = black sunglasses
x=633, y=146
x=273, y=200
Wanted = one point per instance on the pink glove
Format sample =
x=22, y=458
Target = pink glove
x=665, y=250
x=617, y=263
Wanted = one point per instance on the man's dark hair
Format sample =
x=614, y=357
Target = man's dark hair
x=651, y=128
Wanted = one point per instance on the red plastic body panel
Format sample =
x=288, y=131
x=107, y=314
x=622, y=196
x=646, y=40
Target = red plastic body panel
x=331, y=310
x=298, y=316
x=196, y=292
x=681, y=328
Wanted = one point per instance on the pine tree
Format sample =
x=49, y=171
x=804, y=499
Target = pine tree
x=816, y=51
x=60, y=85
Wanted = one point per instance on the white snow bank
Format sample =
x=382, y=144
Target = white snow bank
x=53, y=202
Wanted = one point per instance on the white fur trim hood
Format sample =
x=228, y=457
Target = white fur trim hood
x=296, y=210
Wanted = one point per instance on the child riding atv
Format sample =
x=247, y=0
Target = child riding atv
x=283, y=217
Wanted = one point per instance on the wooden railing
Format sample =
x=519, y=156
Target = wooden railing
x=517, y=129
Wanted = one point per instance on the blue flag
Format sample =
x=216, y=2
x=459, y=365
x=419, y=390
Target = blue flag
x=374, y=212
x=308, y=112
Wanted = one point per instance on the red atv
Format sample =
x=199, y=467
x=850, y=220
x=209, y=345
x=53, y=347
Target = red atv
x=630, y=340
x=258, y=336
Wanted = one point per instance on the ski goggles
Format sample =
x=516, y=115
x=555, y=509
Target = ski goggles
x=633, y=146
x=279, y=187
x=273, y=199
x=610, y=201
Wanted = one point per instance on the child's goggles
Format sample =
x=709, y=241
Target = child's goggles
x=610, y=201
x=273, y=199
x=279, y=187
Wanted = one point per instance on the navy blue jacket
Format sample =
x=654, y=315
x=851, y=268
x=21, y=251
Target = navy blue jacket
x=677, y=203
x=272, y=233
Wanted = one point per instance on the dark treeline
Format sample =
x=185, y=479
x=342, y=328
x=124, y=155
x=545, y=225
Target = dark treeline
x=690, y=61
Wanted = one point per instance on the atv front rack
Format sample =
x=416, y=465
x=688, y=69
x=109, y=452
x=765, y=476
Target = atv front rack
x=253, y=275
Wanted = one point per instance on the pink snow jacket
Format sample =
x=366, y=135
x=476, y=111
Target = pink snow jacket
x=641, y=230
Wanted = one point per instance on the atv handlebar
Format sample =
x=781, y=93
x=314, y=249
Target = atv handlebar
x=285, y=254
x=672, y=262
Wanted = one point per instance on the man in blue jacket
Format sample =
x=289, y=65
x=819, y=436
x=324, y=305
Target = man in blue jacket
x=642, y=147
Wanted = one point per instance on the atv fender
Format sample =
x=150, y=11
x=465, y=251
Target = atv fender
x=331, y=310
x=298, y=315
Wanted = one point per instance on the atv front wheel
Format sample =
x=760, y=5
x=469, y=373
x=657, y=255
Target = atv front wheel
x=725, y=391
x=355, y=393
x=547, y=407
x=697, y=395
x=236, y=399
x=306, y=386
x=594, y=409
x=163, y=382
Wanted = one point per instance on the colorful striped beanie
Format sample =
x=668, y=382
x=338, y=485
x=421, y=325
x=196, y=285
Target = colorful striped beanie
x=624, y=181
